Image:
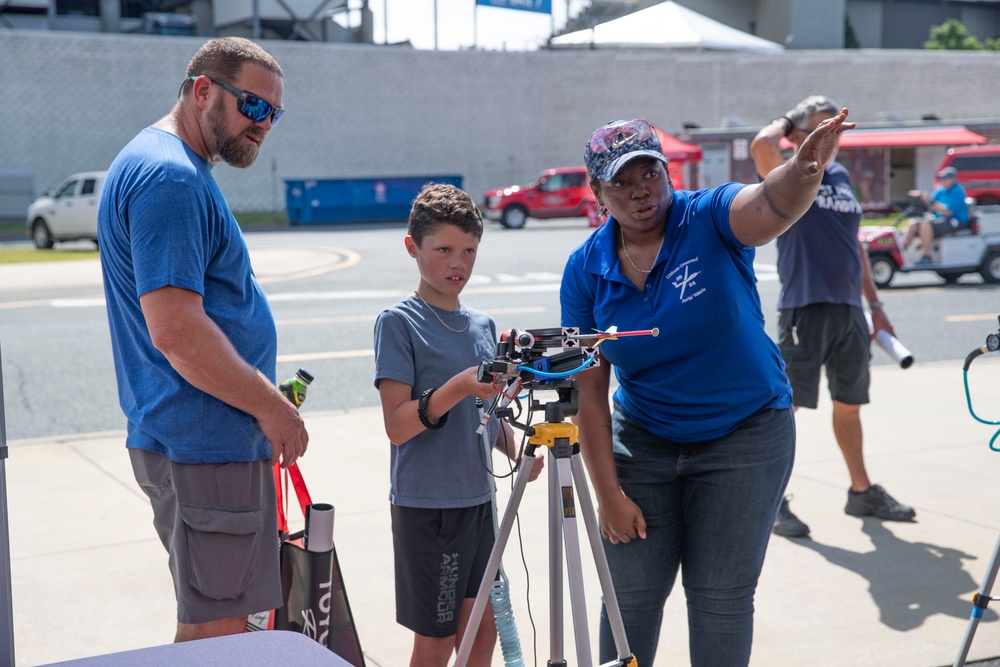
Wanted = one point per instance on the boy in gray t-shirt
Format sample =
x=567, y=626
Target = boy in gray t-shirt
x=428, y=348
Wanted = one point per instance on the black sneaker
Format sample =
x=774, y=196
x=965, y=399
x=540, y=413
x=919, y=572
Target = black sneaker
x=878, y=503
x=923, y=261
x=786, y=523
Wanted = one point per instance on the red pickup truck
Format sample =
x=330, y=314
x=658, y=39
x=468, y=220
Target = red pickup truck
x=556, y=193
x=978, y=171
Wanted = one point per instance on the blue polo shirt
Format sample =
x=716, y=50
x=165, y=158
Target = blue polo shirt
x=712, y=365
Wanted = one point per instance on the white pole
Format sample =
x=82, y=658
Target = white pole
x=7, y=620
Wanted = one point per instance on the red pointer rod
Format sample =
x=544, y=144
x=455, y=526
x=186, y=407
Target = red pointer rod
x=611, y=335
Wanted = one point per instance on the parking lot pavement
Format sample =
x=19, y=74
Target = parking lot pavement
x=271, y=264
x=90, y=577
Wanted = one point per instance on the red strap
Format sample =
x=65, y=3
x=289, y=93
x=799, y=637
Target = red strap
x=301, y=493
x=300, y=486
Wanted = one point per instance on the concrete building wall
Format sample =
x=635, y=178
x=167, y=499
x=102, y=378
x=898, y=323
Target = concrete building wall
x=774, y=20
x=493, y=118
x=907, y=23
x=817, y=25
x=740, y=15
x=981, y=22
x=866, y=20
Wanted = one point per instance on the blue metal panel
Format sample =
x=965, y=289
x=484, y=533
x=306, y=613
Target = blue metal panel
x=317, y=201
x=542, y=6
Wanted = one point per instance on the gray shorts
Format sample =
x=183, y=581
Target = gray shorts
x=219, y=524
x=830, y=335
x=945, y=226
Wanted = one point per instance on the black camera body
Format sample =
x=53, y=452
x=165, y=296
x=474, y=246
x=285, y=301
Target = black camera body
x=522, y=362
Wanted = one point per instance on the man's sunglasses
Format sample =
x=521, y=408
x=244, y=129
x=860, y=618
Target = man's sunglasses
x=251, y=106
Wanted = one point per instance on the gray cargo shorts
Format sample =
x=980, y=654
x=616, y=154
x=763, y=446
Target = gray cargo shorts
x=219, y=525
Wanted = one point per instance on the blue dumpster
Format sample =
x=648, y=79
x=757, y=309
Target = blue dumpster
x=322, y=201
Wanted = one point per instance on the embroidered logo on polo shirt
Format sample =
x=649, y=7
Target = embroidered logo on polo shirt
x=684, y=279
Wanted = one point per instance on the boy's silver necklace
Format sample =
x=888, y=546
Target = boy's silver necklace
x=625, y=250
x=434, y=312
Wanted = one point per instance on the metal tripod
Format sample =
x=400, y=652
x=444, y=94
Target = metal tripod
x=561, y=439
x=980, y=601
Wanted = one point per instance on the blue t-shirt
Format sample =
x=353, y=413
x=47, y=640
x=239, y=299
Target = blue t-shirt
x=818, y=257
x=162, y=221
x=954, y=199
x=445, y=467
x=712, y=365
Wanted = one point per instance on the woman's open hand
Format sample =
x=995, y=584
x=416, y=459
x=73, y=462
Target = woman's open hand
x=821, y=144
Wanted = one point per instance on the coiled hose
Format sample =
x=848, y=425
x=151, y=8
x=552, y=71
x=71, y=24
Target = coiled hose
x=510, y=642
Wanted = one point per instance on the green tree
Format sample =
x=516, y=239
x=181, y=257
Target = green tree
x=952, y=36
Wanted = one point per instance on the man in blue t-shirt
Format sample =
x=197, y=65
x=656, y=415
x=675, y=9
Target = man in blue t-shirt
x=949, y=213
x=194, y=341
x=824, y=272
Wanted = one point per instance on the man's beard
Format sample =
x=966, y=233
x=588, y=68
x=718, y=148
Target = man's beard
x=235, y=150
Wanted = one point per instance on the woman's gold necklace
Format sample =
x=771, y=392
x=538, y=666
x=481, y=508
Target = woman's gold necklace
x=434, y=312
x=625, y=250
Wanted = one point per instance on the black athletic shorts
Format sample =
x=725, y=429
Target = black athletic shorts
x=946, y=226
x=833, y=336
x=440, y=558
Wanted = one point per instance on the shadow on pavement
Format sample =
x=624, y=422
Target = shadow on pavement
x=904, y=603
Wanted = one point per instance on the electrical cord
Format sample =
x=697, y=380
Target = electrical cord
x=524, y=563
x=503, y=613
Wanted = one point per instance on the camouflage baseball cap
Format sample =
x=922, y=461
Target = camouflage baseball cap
x=614, y=144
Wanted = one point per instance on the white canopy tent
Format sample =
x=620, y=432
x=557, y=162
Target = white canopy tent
x=665, y=26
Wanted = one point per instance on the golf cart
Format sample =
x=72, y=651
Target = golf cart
x=975, y=249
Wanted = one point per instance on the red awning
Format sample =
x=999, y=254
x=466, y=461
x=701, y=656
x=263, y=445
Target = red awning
x=910, y=136
x=677, y=150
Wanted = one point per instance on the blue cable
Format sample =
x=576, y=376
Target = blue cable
x=558, y=376
x=968, y=399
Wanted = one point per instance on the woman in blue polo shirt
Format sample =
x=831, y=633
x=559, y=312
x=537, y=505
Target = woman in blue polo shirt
x=690, y=465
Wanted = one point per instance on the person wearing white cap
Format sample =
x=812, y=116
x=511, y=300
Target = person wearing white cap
x=950, y=213
x=690, y=465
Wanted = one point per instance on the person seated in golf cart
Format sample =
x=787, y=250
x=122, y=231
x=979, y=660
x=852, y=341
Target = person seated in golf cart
x=947, y=213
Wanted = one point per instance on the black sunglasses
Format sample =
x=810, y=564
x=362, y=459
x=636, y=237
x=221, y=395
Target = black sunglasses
x=248, y=104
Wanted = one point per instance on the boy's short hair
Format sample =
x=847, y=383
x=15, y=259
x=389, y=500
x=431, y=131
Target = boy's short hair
x=440, y=203
x=223, y=58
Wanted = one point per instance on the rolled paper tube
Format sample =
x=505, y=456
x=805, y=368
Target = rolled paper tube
x=894, y=348
x=319, y=527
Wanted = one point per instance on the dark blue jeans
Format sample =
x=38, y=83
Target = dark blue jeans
x=709, y=509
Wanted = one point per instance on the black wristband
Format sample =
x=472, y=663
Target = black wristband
x=789, y=125
x=422, y=411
